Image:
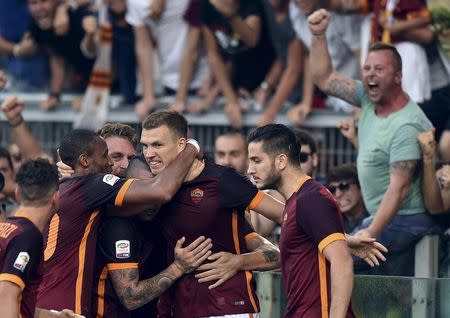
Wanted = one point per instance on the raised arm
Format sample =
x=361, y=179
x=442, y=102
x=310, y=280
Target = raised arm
x=29, y=146
x=134, y=293
x=430, y=185
x=329, y=80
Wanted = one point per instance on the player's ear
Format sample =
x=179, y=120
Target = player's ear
x=83, y=160
x=181, y=143
x=17, y=195
x=281, y=161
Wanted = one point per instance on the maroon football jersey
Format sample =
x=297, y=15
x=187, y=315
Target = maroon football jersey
x=21, y=250
x=312, y=220
x=212, y=205
x=71, y=239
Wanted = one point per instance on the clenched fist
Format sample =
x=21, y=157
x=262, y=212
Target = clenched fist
x=318, y=22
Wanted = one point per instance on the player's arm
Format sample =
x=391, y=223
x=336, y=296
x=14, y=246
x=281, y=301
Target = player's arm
x=263, y=256
x=401, y=175
x=134, y=293
x=341, y=276
x=329, y=80
x=268, y=206
x=10, y=295
x=161, y=188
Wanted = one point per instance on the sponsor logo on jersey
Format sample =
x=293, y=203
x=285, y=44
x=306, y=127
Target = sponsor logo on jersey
x=197, y=195
x=110, y=179
x=22, y=261
x=123, y=249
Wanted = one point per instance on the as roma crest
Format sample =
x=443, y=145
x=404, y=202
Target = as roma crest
x=197, y=195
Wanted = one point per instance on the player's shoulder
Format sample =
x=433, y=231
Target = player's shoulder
x=313, y=189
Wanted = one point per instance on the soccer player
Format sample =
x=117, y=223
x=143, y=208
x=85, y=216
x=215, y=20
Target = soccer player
x=71, y=238
x=21, y=244
x=316, y=265
x=212, y=204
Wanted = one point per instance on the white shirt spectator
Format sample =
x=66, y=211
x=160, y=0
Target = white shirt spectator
x=170, y=32
x=343, y=41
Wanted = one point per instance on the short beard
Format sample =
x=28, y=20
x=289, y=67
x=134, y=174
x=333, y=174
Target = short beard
x=274, y=180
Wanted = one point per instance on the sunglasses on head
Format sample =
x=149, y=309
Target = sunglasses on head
x=342, y=186
x=304, y=156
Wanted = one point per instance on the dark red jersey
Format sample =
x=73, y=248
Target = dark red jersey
x=312, y=220
x=71, y=240
x=21, y=250
x=212, y=205
x=125, y=243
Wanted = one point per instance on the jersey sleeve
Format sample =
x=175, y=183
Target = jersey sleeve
x=117, y=243
x=236, y=190
x=105, y=190
x=23, y=255
x=318, y=216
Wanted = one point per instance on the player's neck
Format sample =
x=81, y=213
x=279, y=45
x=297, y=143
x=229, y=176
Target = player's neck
x=195, y=170
x=290, y=181
x=39, y=216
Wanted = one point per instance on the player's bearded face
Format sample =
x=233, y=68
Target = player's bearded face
x=262, y=168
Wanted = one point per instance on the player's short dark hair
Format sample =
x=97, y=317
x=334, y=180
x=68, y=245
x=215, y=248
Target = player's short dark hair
x=118, y=130
x=277, y=139
x=343, y=172
x=4, y=153
x=233, y=133
x=380, y=46
x=176, y=122
x=76, y=143
x=37, y=181
x=305, y=138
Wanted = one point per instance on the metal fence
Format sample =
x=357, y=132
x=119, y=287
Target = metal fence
x=50, y=127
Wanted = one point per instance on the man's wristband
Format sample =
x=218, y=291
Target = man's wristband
x=194, y=143
x=16, y=122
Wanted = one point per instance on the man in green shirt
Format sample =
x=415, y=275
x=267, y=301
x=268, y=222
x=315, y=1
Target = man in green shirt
x=389, y=152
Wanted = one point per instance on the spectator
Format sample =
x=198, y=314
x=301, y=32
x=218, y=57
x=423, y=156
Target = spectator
x=344, y=185
x=236, y=32
x=343, y=41
x=435, y=182
x=284, y=76
x=388, y=149
x=194, y=53
x=76, y=47
x=163, y=21
x=7, y=200
x=26, y=146
x=26, y=66
x=123, y=54
x=309, y=158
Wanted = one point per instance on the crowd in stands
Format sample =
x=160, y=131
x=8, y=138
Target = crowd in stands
x=385, y=63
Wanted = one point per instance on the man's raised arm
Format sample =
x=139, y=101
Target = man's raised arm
x=324, y=76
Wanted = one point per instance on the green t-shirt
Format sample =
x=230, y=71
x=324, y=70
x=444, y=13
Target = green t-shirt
x=384, y=140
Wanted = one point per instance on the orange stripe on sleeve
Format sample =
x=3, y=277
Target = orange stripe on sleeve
x=13, y=279
x=330, y=239
x=119, y=198
x=52, y=238
x=234, y=226
x=117, y=266
x=256, y=200
x=323, y=285
x=249, y=236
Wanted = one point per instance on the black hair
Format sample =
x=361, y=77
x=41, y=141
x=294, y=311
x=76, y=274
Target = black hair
x=380, y=46
x=305, y=138
x=176, y=122
x=76, y=143
x=37, y=181
x=343, y=172
x=277, y=139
